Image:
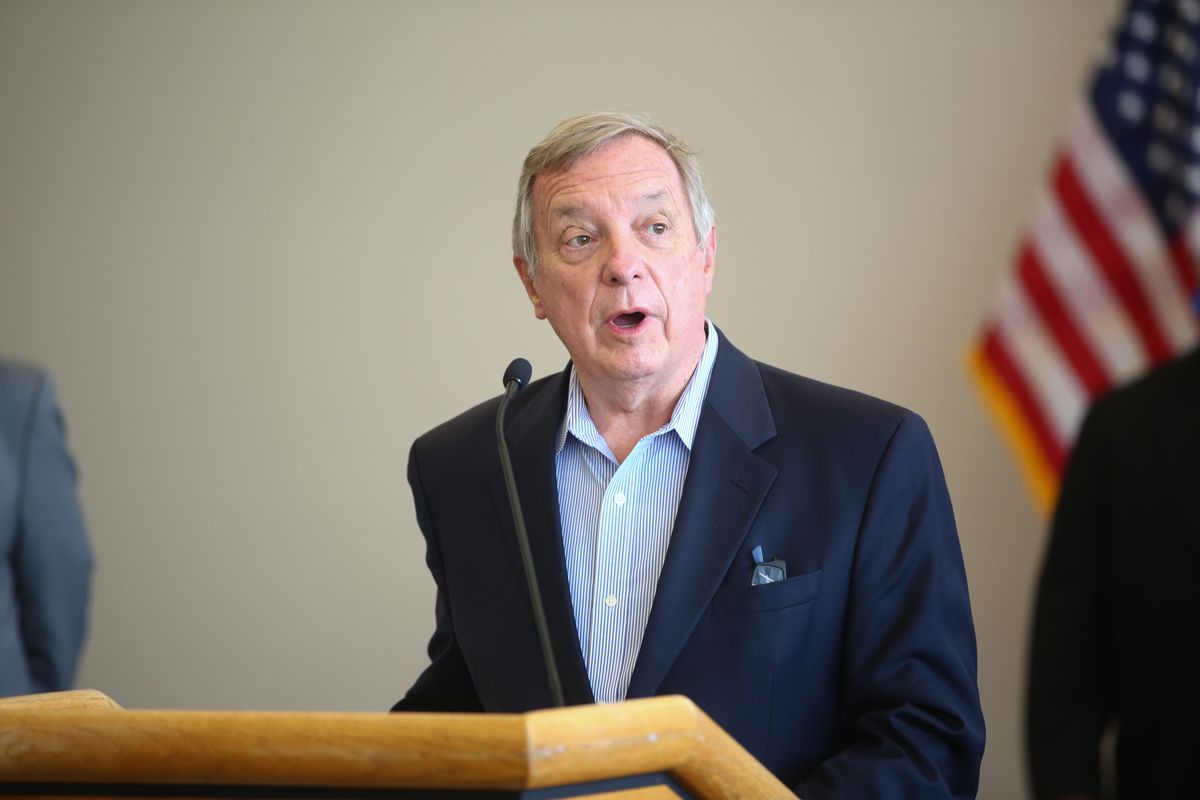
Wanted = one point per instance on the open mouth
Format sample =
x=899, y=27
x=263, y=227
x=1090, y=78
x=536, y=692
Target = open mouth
x=627, y=321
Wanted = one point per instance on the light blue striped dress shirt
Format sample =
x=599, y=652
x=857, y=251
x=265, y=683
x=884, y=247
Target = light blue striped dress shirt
x=616, y=524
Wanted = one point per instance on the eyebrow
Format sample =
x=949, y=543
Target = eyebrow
x=566, y=211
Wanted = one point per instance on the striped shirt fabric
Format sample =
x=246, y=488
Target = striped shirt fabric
x=616, y=525
x=1102, y=287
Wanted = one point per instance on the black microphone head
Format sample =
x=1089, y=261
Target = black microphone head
x=519, y=370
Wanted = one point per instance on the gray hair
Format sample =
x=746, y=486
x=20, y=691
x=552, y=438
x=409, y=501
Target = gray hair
x=573, y=140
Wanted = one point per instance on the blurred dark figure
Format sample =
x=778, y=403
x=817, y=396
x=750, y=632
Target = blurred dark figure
x=45, y=560
x=1116, y=637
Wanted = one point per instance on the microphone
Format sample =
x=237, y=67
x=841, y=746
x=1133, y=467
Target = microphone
x=516, y=377
x=519, y=371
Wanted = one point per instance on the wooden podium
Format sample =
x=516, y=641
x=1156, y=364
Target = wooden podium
x=82, y=744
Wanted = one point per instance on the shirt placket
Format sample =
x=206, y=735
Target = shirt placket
x=610, y=601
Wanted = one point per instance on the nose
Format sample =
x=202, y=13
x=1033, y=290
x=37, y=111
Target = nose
x=624, y=262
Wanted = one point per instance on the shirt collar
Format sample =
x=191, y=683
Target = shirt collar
x=684, y=419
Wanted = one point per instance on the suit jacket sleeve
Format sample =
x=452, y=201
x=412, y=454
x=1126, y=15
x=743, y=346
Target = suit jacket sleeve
x=52, y=559
x=1070, y=693
x=913, y=723
x=445, y=685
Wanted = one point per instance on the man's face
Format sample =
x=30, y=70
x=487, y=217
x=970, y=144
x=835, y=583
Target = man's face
x=621, y=277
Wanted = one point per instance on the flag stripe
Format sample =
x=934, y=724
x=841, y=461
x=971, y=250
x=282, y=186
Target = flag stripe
x=1051, y=382
x=1093, y=307
x=1006, y=369
x=1183, y=261
x=1044, y=297
x=1110, y=259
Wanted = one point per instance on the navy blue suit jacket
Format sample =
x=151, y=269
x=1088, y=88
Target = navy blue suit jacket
x=45, y=560
x=854, y=677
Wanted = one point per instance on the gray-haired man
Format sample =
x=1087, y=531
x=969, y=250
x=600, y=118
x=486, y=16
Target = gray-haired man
x=660, y=471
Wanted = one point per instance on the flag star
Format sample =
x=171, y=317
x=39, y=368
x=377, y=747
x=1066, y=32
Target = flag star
x=1193, y=179
x=1143, y=26
x=1181, y=44
x=1160, y=158
x=1131, y=106
x=1165, y=118
x=1171, y=79
x=1137, y=66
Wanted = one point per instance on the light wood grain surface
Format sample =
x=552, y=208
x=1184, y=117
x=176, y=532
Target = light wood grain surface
x=87, y=740
x=77, y=698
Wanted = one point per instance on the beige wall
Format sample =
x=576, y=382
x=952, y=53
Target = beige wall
x=264, y=245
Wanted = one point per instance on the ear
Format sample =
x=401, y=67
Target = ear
x=710, y=258
x=531, y=290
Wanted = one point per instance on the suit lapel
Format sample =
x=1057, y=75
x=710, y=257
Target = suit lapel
x=531, y=430
x=725, y=487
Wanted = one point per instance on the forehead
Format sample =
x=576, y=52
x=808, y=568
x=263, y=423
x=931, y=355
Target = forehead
x=629, y=167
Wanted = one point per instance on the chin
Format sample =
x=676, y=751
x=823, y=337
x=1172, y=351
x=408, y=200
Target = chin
x=634, y=369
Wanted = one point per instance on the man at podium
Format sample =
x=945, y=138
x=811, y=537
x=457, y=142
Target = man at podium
x=781, y=551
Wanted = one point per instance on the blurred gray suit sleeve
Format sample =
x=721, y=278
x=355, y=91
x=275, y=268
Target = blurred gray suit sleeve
x=51, y=559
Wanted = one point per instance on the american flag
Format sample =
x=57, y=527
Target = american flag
x=1104, y=280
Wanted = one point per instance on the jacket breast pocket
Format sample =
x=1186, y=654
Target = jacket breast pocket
x=791, y=591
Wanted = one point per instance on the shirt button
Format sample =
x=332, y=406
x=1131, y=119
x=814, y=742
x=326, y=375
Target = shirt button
x=610, y=601
x=619, y=499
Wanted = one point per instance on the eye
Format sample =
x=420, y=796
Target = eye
x=582, y=240
x=658, y=228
